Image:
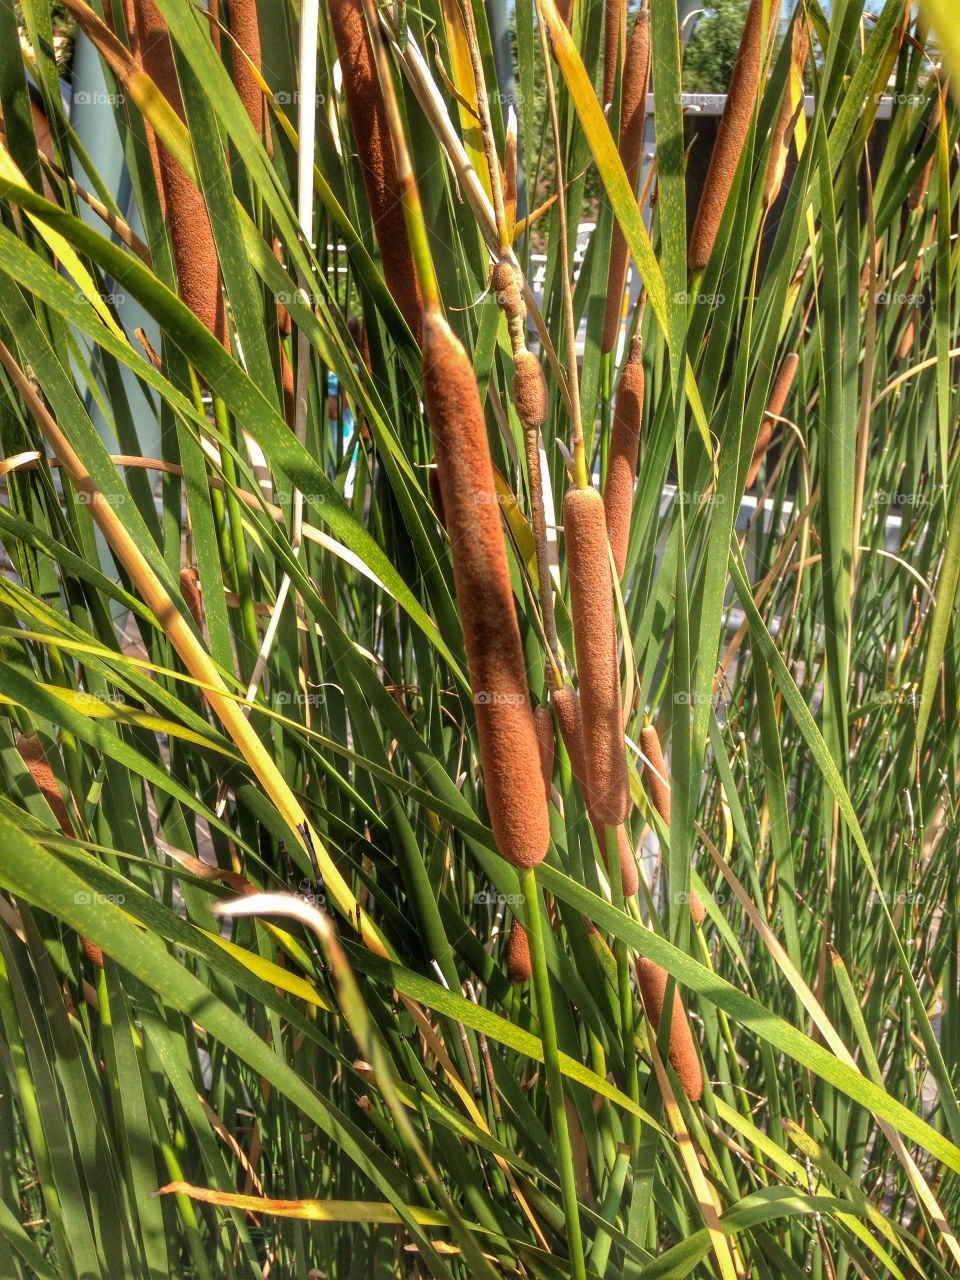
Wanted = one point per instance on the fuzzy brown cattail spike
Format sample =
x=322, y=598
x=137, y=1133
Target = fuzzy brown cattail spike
x=194, y=249
x=778, y=398
x=633, y=114
x=546, y=745
x=371, y=133
x=655, y=775
x=731, y=136
x=566, y=704
x=595, y=639
x=622, y=463
x=614, y=42
x=190, y=590
x=682, y=1051
x=31, y=753
x=508, y=742
x=245, y=28
x=519, y=965
x=529, y=389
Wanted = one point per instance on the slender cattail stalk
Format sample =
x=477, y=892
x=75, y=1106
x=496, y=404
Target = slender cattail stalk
x=655, y=775
x=508, y=741
x=622, y=462
x=595, y=639
x=783, y=129
x=614, y=43
x=190, y=590
x=245, y=28
x=731, y=136
x=633, y=113
x=775, y=405
x=191, y=236
x=371, y=133
x=682, y=1051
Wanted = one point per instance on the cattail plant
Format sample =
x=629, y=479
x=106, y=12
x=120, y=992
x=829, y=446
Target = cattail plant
x=371, y=134
x=190, y=590
x=566, y=705
x=633, y=114
x=30, y=750
x=194, y=249
x=731, y=136
x=508, y=739
x=614, y=42
x=622, y=460
x=682, y=1051
x=245, y=29
x=595, y=638
x=655, y=775
x=778, y=398
x=519, y=965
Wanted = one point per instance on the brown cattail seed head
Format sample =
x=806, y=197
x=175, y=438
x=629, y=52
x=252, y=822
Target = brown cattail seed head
x=566, y=706
x=731, y=136
x=614, y=41
x=519, y=966
x=778, y=398
x=655, y=772
x=595, y=638
x=629, y=875
x=682, y=1051
x=93, y=953
x=622, y=462
x=371, y=133
x=633, y=114
x=529, y=389
x=245, y=28
x=194, y=249
x=31, y=753
x=546, y=744
x=508, y=741
x=190, y=590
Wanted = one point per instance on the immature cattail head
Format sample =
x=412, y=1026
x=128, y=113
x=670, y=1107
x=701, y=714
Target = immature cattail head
x=31, y=753
x=508, y=742
x=529, y=389
x=682, y=1051
x=190, y=590
x=633, y=115
x=194, y=249
x=622, y=462
x=775, y=405
x=371, y=133
x=93, y=953
x=731, y=136
x=519, y=965
x=245, y=28
x=595, y=639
